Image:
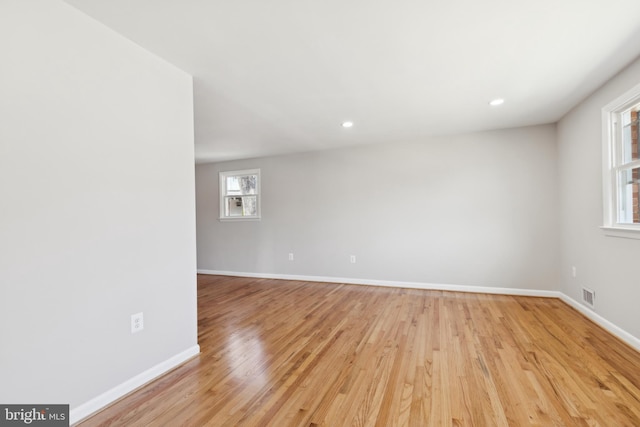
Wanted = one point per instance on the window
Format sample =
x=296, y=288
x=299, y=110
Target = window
x=240, y=195
x=621, y=168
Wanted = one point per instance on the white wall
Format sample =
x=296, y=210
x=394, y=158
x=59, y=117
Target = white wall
x=474, y=210
x=608, y=265
x=97, y=206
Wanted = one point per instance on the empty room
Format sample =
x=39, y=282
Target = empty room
x=319, y=213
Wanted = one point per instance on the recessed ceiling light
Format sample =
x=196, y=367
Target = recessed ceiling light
x=496, y=102
x=347, y=124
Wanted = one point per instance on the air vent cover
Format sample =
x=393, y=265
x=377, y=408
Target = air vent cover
x=588, y=296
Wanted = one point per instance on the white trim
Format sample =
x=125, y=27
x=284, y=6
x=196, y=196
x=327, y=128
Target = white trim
x=240, y=218
x=608, y=199
x=625, y=233
x=627, y=99
x=391, y=284
x=601, y=321
x=97, y=403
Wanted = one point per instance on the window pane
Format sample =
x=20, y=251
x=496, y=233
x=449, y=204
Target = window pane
x=628, y=183
x=241, y=206
x=233, y=185
x=250, y=205
x=234, y=206
x=244, y=184
x=630, y=135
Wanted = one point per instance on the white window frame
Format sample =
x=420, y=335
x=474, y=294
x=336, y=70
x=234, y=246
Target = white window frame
x=222, y=179
x=612, y=164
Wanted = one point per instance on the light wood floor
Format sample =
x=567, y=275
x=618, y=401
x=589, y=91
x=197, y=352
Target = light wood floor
x=288, y=353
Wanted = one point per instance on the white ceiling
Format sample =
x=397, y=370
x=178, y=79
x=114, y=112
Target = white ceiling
x=280, y=76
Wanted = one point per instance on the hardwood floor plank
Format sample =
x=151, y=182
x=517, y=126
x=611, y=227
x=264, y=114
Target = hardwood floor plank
x=293, y=353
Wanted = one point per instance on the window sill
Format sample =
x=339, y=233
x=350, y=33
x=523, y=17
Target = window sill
x=253, y=218
x=622, y=232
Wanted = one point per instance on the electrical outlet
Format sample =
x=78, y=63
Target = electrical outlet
x=573, y=271
x=137, y=322
x=290, y=256
x=352, y=259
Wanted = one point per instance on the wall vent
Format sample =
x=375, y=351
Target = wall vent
x=588, y=296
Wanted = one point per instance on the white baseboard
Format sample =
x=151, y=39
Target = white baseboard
x=83, y=411
x=392, y=284
x=604, y=323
